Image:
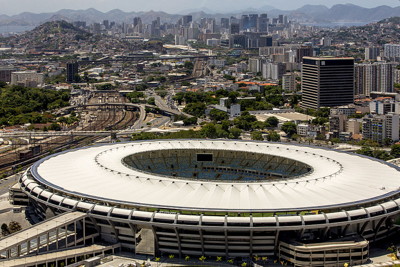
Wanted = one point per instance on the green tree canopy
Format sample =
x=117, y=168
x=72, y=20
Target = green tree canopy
x=289, y=128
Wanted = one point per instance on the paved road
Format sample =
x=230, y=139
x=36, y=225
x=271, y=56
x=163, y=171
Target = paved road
x=163, y=106
x=8, y=182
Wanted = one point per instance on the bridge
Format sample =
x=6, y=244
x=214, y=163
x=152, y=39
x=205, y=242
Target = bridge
x=141, y=58
x=141, y=107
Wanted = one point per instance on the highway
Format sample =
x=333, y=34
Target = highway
x=160, y=103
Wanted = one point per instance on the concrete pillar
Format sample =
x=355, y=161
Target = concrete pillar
x=38, y=244
x=48, y=241
x=57, y=230
x=28, y=246
x=66, y=236
x=75, y=233
x=84, y=231
x=18, y=250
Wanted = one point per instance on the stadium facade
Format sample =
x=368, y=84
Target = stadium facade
x=305, y=205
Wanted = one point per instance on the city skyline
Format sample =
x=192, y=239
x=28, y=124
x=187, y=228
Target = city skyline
x=173, y=6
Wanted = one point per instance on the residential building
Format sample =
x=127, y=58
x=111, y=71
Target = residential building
x=392, y=52
x=27, y=78
x=327, y=81
x=396, y=75
x=273, y=70
x=255, y=65
x=343, y=110
x=381, y=127
x=372, y=53
x=289, y=82
x=353, y=126
x=337, y=123
x=384, y=106
x=377, y=77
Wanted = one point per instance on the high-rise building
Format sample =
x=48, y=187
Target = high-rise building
x=327, y=81
x=280, y=19
x=289, y=82
x=326, y=41
x=262, y=24
x=97, y=28
x=155, y=28
x=377, y=77
x=234, y=28
x=255, y=65
x=303, y=51
x=372, y=53
x=72, y=72
x=273, y=70
x=245, y=23
x=186, y=20
x=392, y=52
x=106, y=24
x=137, y=25
x=253, y=22
x=224, y=23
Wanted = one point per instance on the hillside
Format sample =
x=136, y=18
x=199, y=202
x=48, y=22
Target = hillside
x=61, y=35
x=51, y=35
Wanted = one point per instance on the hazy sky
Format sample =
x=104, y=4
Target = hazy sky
x=11, y=7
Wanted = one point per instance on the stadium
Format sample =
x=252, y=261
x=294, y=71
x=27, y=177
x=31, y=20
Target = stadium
x=305, y=205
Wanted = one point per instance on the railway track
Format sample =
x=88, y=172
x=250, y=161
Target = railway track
x=116, y=120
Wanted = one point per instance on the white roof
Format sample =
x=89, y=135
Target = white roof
x=337, y=178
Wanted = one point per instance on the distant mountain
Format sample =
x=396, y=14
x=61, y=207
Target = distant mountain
x=348, y=12
x=310, y=13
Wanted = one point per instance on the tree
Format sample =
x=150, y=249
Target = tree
x=185, y=83
x=4, y=229
x=272, y=121
x=190, y=121
x=105, y=87
x=395, y=151
x=245, y=121
x=233, y=96
x=257, y=135
x=273, y=136
x=234, y=133
x=188, y=65
x=367, y=151
x=55, y=127
x=14, y=227
x=289, y=128
x=209, y=130
x=195, y=109
x=151, y=101
x=218, y=115
x=320, y=120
